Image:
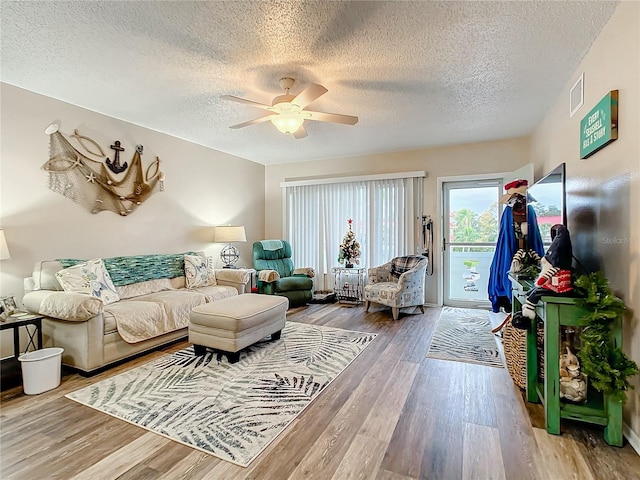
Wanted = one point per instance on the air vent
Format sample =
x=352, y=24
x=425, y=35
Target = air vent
x=576, y=96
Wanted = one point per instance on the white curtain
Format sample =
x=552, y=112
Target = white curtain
x=384, y=214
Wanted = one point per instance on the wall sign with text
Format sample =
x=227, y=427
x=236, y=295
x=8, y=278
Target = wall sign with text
x=599, y=127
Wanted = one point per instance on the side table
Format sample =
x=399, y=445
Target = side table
x=555, y=312
x=11, y=371
x=348, y=284
x=35, y=336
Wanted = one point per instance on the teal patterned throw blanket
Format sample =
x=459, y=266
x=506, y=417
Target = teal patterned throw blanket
x=139, y=268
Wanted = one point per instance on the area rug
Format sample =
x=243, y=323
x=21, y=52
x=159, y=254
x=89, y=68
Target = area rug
x=232, y=411
x=464, y=335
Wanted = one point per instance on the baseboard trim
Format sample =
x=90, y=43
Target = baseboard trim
x=432, y=305
x=632, y=437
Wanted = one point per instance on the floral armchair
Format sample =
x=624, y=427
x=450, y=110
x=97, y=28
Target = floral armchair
x=398, y=284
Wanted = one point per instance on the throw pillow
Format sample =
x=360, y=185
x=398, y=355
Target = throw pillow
x=198, y=271
x=89, y=278
x=400, y=265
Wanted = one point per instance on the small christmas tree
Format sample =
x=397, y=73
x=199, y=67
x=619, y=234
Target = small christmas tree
x=349, y=248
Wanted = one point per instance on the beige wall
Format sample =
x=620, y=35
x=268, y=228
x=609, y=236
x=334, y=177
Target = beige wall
x=203, y=188
x=470, y=159
x=604, y=190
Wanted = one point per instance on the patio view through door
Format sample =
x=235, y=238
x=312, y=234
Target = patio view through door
x=471, y=223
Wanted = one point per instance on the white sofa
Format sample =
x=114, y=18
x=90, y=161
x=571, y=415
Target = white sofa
x=152, y=293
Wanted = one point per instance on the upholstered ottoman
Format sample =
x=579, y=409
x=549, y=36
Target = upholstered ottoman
x=234, y=323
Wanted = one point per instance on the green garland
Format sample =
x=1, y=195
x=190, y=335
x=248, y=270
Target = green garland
x=608, y=368
x=529, y=271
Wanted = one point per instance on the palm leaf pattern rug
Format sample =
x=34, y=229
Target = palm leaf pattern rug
x=232, y=411
x=464, y=335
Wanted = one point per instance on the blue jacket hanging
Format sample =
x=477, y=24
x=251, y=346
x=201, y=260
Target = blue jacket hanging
x=506, y=248
x=499, y=283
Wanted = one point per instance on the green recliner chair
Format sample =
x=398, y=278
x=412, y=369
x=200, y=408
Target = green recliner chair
x=276, y=274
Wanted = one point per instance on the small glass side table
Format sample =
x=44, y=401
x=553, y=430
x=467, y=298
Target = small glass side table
x=348, y=284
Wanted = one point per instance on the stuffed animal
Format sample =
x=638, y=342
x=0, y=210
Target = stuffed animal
x=554, y=278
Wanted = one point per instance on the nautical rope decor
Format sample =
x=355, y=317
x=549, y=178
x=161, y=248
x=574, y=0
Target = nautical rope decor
x=88, y=182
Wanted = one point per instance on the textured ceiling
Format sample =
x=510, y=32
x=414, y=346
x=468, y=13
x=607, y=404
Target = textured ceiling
x=417, y=74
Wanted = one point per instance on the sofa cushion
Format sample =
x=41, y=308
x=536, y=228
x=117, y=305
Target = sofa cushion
x=150, y=286
x=177, y=304
x=89, y=278
x=44, y=275
x=136, y=320
x=217, y=292
x=289, y=284
x=198, y=271
x=382, y=291
x=109, y=321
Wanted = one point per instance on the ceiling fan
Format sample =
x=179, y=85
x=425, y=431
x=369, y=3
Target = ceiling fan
x=288, y=112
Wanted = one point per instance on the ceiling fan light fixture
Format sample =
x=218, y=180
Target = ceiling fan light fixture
x=287, y=123
x=288, y=112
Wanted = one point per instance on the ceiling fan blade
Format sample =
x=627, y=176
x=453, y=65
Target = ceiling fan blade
x=264, y=118
x=300, y=133
x=309, y=94
x=245, y=101
x=332, y=117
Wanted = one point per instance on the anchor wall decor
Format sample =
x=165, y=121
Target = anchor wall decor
x=88, y=182
x=115, y=166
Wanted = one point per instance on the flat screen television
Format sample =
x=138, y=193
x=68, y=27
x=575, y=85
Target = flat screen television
x=548, y=198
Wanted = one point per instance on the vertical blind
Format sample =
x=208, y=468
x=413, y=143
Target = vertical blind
x=384, y=213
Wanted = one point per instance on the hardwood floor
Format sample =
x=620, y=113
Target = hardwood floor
x=393, y=414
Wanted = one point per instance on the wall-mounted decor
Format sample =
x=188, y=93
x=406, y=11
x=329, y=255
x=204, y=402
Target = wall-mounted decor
x=599, y=127
x=115, y=167
x=88, y=182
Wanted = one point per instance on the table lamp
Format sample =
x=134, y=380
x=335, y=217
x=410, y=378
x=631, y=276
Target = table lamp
x=229, y=234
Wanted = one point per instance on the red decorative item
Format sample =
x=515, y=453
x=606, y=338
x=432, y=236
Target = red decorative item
x=516, y=184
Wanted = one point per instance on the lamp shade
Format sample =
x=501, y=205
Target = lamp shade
x=229, y=233
x=4, y=249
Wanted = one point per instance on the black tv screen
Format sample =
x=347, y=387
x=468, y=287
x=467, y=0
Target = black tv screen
x=548, y=198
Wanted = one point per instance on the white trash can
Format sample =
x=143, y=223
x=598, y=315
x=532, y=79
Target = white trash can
x=41, y=370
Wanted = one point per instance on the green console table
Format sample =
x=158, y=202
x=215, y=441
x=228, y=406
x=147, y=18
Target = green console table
x=598, y=409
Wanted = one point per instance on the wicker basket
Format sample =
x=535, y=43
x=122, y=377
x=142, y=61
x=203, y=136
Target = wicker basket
x=540, y=347
x=514, y=342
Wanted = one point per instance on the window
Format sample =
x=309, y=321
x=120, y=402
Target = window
x=384, y=213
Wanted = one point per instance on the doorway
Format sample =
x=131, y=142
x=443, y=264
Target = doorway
x=470, y=232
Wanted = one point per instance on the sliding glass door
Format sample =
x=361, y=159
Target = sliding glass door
x=471, y=213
